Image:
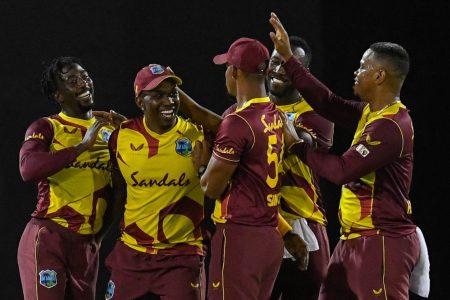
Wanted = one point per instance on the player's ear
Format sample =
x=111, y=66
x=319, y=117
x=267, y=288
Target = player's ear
x=139, y=103
x=57, y=96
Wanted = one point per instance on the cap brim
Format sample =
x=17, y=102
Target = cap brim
x=158, y=80
x=221, y=59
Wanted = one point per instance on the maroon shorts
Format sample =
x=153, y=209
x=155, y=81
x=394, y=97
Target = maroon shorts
x=292, y=283
x=56, y=263
x=244, y=262
x=373, y=267
x=135, y=275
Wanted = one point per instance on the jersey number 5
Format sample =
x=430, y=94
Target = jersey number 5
x=272, y=158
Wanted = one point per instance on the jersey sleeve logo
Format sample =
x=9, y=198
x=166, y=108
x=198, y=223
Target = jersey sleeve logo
x=183, y=147
x=34, y=135
x=225, y=150
x=361, y=149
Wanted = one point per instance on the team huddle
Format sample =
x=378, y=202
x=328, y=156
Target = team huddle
x=260, y=162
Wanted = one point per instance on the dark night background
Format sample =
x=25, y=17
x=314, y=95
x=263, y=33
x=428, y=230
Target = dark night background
x=115, y=39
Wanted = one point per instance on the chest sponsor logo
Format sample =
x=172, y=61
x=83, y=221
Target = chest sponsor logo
x=271, y=126
x=183, y=147
x=48, y=278
x=34, y=135
x=361, y=149
x=165, y=181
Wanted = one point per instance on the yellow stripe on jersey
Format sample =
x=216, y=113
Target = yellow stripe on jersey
x=355, y=213
x=300, y=198
x=78, y=192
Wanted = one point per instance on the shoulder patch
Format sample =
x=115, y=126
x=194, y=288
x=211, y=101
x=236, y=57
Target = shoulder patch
x=362, y=150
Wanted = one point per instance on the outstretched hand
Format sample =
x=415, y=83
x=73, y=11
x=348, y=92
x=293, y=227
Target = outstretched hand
x=113, y=117
x=298, y=248
x=289, y=132
x=280, y=37
x=91, y=135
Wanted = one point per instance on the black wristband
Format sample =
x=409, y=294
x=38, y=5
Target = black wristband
x=201, y=170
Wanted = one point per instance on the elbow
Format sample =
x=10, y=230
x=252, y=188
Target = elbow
x=210, y=192
x=339, y=178
x=26, y=175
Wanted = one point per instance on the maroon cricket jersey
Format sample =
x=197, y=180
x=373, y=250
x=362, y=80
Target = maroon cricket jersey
x=251, y=137
x=375, y=172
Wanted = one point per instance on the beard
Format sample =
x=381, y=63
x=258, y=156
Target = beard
x=86, y=108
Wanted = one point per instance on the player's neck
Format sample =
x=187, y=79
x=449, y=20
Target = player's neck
x=290, y=98
x=77, y=114
x=249, y=92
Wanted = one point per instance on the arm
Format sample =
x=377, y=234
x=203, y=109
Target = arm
x=332, y=107
x=383, y=141
x=216, y=177
x=198, y=113
x=36, y=162
x=116, y=207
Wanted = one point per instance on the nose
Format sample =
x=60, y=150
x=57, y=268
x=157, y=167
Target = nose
x=82, y=82
x=168, y=99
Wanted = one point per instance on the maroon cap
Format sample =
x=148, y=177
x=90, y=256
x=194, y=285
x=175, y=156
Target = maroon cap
x=246, y=54
x=151, y=76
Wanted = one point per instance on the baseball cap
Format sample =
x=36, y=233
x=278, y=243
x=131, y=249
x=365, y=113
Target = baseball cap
x=247, y=54
x=149, y=77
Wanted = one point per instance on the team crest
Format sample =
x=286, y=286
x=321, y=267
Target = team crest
x=110, y=290
x=106, y=134
x=156, y=70
x=290, y=116
x=48, y=278
x=183, y=146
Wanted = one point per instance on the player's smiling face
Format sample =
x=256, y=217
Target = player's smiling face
x=75, y=89
x=277, y=81
x=160, y=106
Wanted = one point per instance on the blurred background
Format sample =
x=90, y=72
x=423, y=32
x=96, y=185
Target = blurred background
x=114, y=39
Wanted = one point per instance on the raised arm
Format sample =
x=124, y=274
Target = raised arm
x=197, y=113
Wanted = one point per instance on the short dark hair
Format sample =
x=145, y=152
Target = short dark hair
x=296, y=42
x=394, y=56
x=48, y=79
